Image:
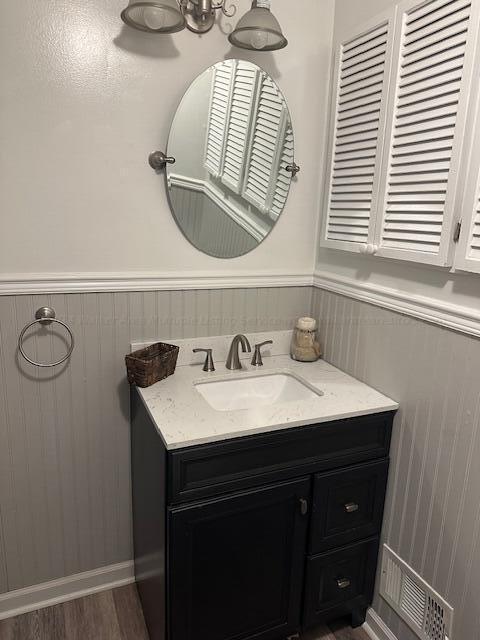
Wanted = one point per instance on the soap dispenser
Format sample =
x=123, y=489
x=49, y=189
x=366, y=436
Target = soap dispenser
x=305, y=346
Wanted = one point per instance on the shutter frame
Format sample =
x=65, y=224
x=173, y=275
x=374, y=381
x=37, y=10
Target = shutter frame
x=444, y=201
x=283, y=180
x=234, y=158
x=469, y=204
x=468, y=253
x=359, y=34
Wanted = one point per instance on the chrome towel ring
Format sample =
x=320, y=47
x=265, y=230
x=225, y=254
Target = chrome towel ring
x=45, y=315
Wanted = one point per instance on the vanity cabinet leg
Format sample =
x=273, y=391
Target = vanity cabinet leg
x=358, y=617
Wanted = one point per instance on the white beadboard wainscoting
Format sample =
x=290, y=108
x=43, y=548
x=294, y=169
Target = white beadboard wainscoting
x=64, y=438
x=432, y=518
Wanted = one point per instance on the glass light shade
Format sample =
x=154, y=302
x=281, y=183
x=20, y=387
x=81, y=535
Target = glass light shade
x=158, y=16
x=258, y=30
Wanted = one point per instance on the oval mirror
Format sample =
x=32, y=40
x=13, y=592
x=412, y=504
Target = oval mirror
x=232, y=140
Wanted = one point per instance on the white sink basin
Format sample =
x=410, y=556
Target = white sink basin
x=251, y=392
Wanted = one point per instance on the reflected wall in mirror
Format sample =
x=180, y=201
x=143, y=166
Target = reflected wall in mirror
x=232, y=140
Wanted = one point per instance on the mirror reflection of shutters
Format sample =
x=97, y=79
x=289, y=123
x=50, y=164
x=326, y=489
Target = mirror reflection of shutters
x=266, y=146
x=425, y=131
x=218, y=117
x=359, y=112
x=238, y=129
x=284, y=178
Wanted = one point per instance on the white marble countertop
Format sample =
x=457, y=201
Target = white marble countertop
x=184, y=418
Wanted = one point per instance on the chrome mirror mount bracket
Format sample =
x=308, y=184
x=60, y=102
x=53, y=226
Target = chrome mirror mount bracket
x=159, y=160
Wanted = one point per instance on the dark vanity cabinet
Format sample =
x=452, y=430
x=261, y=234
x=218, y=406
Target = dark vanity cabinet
x=258, y=537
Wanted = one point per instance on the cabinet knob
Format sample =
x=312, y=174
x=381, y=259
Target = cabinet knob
x=303, y=506
x=343, y=583
x=369, y=249
x=351, y=507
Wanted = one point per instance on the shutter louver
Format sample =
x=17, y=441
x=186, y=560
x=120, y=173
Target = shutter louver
x=355, y=156
x=237, y=135
x=218, y=118
x=266, y=147
x=425, y=132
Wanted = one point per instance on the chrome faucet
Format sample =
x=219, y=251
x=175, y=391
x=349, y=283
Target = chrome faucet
x=233, y=359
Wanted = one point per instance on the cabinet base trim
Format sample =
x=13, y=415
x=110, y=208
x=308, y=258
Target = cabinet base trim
x=48, y=594
x=375, y=627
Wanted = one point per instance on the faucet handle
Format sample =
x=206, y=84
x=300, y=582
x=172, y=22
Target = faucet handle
x=257, y=360
x=208, y=365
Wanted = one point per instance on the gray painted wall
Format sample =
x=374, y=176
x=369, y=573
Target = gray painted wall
x=64, y=440
x=433, y=504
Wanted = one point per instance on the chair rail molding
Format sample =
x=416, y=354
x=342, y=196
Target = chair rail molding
x=449, y=315
x=45, y=283
x=446, y=314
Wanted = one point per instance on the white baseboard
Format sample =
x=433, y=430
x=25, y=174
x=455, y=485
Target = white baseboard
x=375, y=627
x=47, y=594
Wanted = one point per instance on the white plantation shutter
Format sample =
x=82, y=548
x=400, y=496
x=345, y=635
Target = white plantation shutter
x=425, y=132
x=467, y=257
x=238, y=128
x=467, y=254
x=283, y=177
x=218, y=117
x=266, y=146
x=473, y=247
x=362, y=75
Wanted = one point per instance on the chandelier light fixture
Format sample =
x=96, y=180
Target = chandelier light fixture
x=257, y=30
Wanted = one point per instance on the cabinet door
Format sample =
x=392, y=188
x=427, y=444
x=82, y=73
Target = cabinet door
x=467, y=254
x=236, y=564
x=434, y=63
x=362, y=74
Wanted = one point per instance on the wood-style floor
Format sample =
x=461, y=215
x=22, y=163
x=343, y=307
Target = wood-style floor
x=111, y=615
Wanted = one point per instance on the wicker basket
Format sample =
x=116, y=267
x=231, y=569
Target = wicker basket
x=147, y=366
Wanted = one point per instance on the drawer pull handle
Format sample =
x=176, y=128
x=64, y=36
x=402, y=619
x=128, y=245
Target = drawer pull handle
x=351, y=507
x=303, y=506
x=343, y=583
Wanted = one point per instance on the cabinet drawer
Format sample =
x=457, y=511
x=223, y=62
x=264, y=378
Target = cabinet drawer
x=340, y=578
x=214, y=469
x=348, y=505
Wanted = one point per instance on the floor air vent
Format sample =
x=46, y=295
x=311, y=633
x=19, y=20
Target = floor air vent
x=414, y=600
